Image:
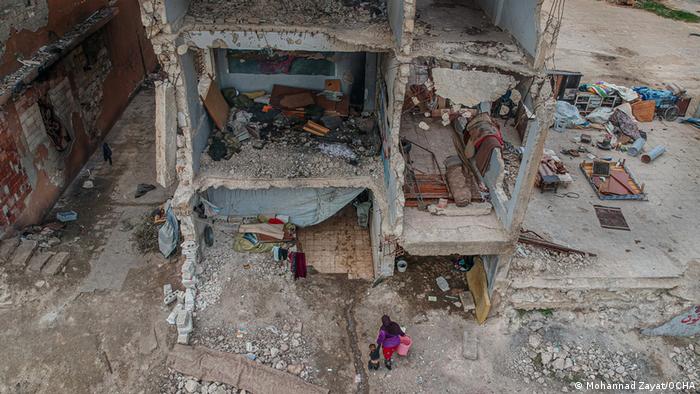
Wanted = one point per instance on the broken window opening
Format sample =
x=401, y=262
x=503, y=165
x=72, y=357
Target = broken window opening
x=59, y=135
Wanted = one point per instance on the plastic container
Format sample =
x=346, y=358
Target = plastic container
x=653, y=154
x=560, y=125
x=404, y=346
x=401, y=265
x=636, y=147
x=67, y=216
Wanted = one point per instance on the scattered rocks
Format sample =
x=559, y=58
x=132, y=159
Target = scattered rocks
x=177, y=383
x=548, y=356
x=539, y=260
x=324, y=13
x=688, y=362
x=290, y=153
x=279, y=345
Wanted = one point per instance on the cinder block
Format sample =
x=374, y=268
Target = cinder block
x=167, y=289
x=183, y=339
x=184, y=322
x=189, y=299
x=470, y=346
x=188, y=267
x=190, y=284
x=170, y=298
x=172, y=317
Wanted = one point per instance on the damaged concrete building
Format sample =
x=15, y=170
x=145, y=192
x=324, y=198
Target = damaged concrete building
x=301, y=109
x=68, y=71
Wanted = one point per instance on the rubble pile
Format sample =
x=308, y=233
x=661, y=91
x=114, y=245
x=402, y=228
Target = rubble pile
x=688, y=361
x=211, y=279
x=280, y=160
x=511, y=160
x=177, y=383
x=46, y=236
x=280, y=346
x=284, y=152
x=531, y=258
x=541, y=359
x=316, y=12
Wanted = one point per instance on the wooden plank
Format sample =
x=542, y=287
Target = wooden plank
x=273, y=230
x=216, y=105
x=297, y=100
x=478, y=286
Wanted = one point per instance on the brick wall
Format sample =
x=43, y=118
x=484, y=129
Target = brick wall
x=14, y=184
x=87, y=89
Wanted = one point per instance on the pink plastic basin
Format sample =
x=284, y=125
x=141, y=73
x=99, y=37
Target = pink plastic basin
x=404, y=345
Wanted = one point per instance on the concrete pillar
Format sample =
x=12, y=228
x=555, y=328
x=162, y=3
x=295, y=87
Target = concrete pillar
x=532, y=155
x=166, y=134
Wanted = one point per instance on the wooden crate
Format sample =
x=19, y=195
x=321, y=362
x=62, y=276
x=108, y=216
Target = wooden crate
x=644, y=110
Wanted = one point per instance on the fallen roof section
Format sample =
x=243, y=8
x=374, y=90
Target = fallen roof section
x=471, y=87
x=236, y=370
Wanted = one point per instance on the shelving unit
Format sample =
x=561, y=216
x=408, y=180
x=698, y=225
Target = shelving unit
x=587, y=102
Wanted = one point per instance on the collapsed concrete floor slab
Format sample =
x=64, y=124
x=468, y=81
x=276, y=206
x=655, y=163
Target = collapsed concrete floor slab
x=235, y=370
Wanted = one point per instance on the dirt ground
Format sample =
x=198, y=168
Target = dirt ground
x=97, y=327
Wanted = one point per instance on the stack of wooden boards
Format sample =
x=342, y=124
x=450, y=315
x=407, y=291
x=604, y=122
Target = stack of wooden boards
x=293, y=100
x=316, y=129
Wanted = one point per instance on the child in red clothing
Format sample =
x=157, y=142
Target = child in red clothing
x=389, y=339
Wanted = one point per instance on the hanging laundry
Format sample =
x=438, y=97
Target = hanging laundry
x=298, y=264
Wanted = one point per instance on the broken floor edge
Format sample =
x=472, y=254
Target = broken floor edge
x=471, y=248
x=348, y=38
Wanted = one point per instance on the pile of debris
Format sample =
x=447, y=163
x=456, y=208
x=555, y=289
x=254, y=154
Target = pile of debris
x=280, y=346
x=616, y=112
x=533, y=259
x=211, y=280
x=512, y=157
x=688, y=361
x=292, y=12
x=290, y=132
x=541, y=360
x=177, y=383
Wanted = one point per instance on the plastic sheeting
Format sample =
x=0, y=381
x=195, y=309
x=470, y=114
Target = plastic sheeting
x=168, y=234
x=568, y=115
x=304, y=206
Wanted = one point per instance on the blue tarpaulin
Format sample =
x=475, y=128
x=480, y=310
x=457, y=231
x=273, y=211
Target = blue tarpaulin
x=304, y=206
x=658, y=95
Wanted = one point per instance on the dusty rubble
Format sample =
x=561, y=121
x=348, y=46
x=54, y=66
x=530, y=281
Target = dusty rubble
x=688, y=361
x=540, y=260
x=177, y=383
x=258, y=266
x=511, y=160
x=542, y=359
x=317, y=12
x=553, y=351
x=285, y=152
x=280, y=345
